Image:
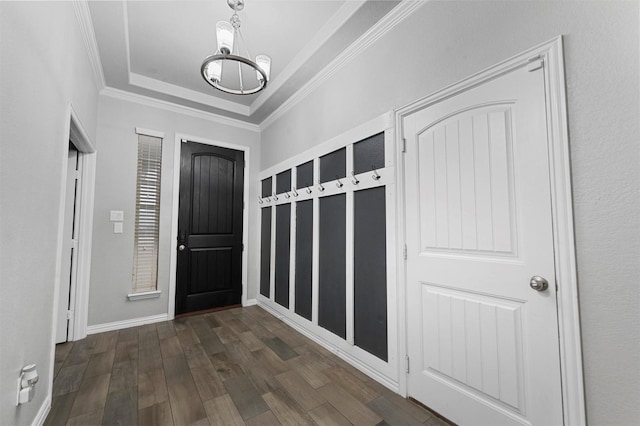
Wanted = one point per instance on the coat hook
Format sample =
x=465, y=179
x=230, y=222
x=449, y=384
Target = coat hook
x=309, y=190
x=320, y=187
x=260, y=200
x=275, y=197
x=295, y=193
x=355, y=180
x=286, y=195
x=375, y=176
x=339, y=184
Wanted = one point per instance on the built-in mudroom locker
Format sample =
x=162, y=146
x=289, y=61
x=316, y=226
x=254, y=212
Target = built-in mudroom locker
x=328, y=247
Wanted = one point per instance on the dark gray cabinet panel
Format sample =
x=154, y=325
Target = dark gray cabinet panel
x=368, y=154
x=283, y=253
x=283, y=182
x=304, y=176
x=332, y=264
x=265, y=252
x=304, y=257
x=267, y=187
x=333, y=165
x=370, y=272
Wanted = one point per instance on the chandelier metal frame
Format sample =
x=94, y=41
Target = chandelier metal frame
x=229, y=56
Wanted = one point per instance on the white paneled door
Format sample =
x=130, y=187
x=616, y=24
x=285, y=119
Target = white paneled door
x=68, y=265
x=483, y=344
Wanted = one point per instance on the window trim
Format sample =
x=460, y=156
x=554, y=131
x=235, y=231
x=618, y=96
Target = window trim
x=138, y=291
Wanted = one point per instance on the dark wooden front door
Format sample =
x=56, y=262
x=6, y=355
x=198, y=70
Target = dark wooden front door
x=209, y=271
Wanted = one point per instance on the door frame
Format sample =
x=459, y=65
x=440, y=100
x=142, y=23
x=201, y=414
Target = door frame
x=75, y=132
x=551, y=54
x=177, y=151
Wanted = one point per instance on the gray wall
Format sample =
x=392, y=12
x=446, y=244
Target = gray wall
x=444, y=42
x=43, y=67
x=112, y=254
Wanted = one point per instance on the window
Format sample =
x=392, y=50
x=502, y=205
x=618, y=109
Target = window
x=147, y=225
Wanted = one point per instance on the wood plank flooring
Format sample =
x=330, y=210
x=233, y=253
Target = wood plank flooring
x=236, y=367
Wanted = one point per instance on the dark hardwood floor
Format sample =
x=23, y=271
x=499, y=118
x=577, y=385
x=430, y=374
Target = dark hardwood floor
x=234, y=367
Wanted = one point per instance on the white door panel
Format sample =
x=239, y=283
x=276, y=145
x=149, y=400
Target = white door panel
x=67, y=269
x=483, y=343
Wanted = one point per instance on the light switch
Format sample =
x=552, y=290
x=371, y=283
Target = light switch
x=116, y=215
x=117, y=228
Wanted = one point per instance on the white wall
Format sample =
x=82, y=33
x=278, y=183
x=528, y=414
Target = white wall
x=444, y=42
x=112, y=254
x=43, y=67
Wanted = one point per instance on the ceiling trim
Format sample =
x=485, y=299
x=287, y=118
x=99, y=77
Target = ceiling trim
x=338, y=19
x=81, y=9
x=145, y=82
x=176, y=108
x=127, y=50
x=386, y=24
x=163, y=87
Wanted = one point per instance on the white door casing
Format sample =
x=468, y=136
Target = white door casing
x=483, y=344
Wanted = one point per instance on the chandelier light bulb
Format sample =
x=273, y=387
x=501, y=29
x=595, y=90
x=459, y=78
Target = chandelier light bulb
x=224, y=35
x=264, y=62
x=214, y=70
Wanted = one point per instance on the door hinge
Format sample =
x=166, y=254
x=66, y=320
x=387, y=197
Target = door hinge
x=404, y=145
x=406, y=358
x=184, y=140
x=535, y=63
x=404, y=252
x=76, y=175
x=69, y=314
x=74, y=243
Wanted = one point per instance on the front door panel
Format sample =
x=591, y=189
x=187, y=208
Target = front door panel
x=209, y=273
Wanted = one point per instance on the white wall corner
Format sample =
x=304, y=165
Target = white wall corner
x=250, y=302
x=81, y=7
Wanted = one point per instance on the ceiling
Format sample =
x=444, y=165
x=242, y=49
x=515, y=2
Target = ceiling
x=155, y=48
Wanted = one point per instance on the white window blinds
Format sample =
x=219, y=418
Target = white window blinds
x=147, y=226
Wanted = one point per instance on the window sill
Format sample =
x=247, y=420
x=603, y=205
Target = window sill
x=145, y=295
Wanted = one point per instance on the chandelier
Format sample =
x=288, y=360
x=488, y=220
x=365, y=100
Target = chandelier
x=228, y=69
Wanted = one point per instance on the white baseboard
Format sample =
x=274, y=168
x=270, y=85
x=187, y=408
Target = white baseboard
x=43, y=412
x=390, y=384
x=119, y=325
x=251, y=302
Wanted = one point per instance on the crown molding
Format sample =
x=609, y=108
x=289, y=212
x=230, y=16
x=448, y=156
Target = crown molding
x=81, y=8
x=179, y=109
x=386, y=24
x=127, y=49
x=163, y=87
x=342, y=15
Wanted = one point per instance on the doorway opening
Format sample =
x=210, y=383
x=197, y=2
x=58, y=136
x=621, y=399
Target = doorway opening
x=71, y=297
